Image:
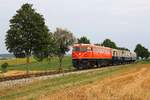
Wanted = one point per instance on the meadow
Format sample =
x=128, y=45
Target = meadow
x=20, y=64
x=77, y=86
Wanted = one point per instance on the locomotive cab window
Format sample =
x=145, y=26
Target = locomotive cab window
x=76, y=49
x=82, y=49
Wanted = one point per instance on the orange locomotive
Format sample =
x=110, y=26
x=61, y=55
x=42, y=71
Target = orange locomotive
x=88, y=55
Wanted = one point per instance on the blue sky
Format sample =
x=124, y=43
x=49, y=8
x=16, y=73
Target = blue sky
x=126, y=22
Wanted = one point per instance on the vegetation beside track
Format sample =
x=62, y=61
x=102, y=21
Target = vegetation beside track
x=20, y=64
x=37, y=89
x=144, y=61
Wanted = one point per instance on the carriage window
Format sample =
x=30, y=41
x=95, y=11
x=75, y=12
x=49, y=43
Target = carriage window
x=114, y=53
x=89, y=49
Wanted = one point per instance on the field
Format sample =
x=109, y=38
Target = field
x=124, y=82
x=20, y=64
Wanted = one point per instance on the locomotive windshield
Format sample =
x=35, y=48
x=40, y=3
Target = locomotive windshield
x=82, y=49
x=76, y=49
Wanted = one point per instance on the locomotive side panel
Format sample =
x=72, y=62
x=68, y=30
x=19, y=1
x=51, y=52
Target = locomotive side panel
x=86, y=56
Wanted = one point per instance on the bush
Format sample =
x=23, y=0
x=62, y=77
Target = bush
x=4, y=67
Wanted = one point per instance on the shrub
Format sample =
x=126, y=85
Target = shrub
x=4, y=67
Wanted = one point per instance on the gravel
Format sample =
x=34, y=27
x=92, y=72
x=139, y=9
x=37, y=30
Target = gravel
x=26, y=81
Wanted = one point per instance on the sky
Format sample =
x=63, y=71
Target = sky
x=126, y=22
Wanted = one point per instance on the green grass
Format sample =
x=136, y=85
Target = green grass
x=16, y=61
x=20, y=64
x=144, y=61
x=36, y=89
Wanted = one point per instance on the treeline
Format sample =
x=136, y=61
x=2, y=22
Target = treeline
x=29, y=36
x=141, y=51
x=106, y=43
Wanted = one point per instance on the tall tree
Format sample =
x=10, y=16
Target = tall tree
x=138, y=50
x=141, y=51
x=84, y=40
x=27, y=34
x=64, y=39
x=109, y=43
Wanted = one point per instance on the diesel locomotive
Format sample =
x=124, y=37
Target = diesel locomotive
x=90, y=55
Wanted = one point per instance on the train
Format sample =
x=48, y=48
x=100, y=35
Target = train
x=90, y=55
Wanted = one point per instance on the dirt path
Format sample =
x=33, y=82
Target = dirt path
x=130, y=85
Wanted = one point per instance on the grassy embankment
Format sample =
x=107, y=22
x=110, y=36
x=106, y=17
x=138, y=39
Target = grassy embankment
x=37, y=89
x=144, y=61
x=20, y=64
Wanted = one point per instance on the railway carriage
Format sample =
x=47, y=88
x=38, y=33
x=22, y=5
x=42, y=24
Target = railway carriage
x=122, y=56
x=88, y=55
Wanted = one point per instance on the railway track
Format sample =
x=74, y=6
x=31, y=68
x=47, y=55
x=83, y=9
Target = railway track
x=39, y=74
x=16, y=77
x=23, y=80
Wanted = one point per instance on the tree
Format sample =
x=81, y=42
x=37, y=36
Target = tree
x=141, y=51
x=109, y=43
x=138, y=50
x=84, y=40
x=123, y=48
x=48, y=51
x=97, y=44
x=52, y=47
x=64, y=39
x=27, y=34
x=146, y=53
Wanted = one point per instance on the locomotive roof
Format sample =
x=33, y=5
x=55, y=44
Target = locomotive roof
x=90, y=45
x=124, y=51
